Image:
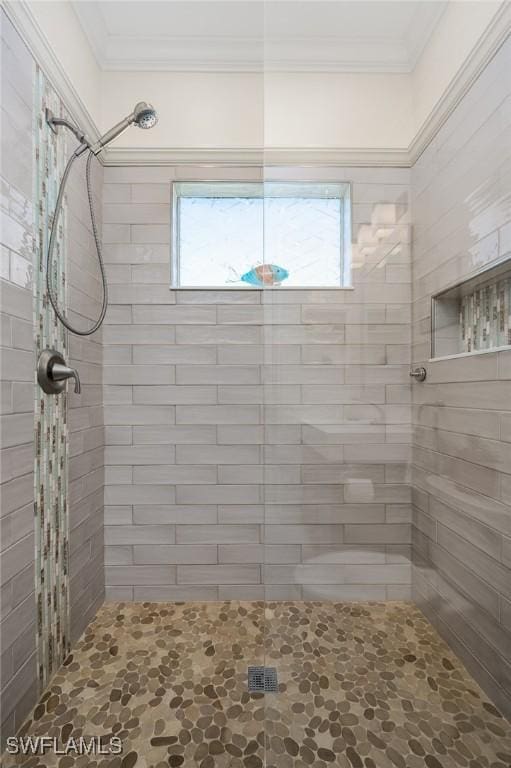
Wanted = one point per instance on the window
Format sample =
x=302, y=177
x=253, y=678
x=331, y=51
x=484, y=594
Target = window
x=255, y=235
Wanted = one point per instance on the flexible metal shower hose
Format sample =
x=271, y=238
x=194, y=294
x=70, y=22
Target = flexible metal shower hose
x=49, y=261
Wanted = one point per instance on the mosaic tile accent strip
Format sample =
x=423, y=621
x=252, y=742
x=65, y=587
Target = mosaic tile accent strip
x=51, y=512
x=361, y=685
x=485, y=317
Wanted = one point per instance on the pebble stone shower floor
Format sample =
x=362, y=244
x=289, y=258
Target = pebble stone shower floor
x=361, y=685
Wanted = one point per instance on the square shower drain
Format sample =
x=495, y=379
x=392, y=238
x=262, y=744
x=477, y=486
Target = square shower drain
x=262, y=680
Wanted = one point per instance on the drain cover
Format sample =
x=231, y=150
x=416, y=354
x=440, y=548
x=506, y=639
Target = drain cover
x=262, y=680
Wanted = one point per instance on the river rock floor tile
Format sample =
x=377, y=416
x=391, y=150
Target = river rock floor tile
x=361, y=685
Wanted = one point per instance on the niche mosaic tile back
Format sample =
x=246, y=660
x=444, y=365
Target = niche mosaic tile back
x=485, y=317
x=361, y=685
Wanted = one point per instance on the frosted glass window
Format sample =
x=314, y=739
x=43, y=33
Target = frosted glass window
x=260, y=235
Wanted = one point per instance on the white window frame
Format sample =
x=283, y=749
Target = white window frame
x=245, y=188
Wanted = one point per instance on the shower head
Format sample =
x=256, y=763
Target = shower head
x=144, y=116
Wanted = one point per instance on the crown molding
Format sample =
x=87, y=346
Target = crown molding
x=20, y=14
x=93, y=26
x=244, y=156
x=260, y=52
x=488, y=45
x=236, y=54
x=419, y=33
x=258, y=156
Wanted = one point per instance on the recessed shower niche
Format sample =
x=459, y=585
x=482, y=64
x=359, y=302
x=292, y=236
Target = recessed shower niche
x=475, y=315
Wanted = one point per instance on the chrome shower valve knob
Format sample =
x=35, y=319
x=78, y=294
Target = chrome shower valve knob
x=52, y=373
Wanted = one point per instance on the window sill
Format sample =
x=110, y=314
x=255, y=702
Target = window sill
x=265, y=288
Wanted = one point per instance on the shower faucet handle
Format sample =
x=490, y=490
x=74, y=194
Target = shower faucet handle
x=61, y=372
x=52, y=373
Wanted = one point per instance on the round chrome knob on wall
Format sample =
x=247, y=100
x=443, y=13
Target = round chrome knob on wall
x=419, y=374
x=52, y=373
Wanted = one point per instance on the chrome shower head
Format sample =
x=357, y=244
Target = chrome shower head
x=145, y=115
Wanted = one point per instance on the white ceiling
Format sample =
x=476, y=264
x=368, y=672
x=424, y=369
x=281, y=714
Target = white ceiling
x=251, y=35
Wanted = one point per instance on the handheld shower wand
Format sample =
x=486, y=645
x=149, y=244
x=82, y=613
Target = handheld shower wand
x=144, y=116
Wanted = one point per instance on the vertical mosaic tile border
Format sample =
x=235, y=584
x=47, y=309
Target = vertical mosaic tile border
x=51, y=510
x=485, y=316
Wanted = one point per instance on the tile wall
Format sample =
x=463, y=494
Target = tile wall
x=85, y=418
x=462, y=413
x=85, y=450
x=18, y=604
x=257, y=443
